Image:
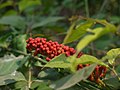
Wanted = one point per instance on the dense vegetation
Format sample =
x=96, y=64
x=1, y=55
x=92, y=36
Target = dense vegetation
x=59, y=45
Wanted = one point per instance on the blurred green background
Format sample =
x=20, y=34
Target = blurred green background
x=20, y=19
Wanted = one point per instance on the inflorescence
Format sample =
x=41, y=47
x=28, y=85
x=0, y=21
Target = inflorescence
x=51, y=49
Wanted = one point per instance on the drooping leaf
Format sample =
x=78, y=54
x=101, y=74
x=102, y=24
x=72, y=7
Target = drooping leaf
x=97, y=32
x=112, y=55
x=11, y=64
x=15, y=21
x=76, y=33
x=84, y=59
x=23, y=4
x=88, y=59
x=19, y=43
x=11, y=78
x=47, y=21
x=59, y=62
x=73, y=79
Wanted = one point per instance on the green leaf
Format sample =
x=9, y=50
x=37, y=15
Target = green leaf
x=5, y=4
x=98, y=32
x=79, y=31
x=46, y=21
x=11, y=64
x=59, y=62
x=19, y=43
x=84, y=59
x=112, y=82
x=10, y=12
x=3, y=40
x=40, y=86
x=11, y=78
x=23, y=4
x=106, y=41
x=112, y=55
x=15, y=21
x=73, y=79
x=21, y=85
x=88, y=59
x=49, y=74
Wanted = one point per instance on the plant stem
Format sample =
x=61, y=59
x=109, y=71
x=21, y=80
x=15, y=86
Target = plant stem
x=103, y=5
x=29, y=78
x=115, y=73
x=20, y=52
x=86, y=8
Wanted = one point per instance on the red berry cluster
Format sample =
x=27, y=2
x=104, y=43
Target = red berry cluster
x=51, y=49
x=97, y=74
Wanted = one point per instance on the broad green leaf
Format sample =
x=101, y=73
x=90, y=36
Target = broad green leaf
x=15, y=21
x=91, y=37
x=106, y=41
x=113, y=82
x=76, y=33
x=46, y=21
x=59, y=62
x=73, y=79
x=49, y=74
x=11, y=64
x=23, y=4
x=88, y=59
x=10, y=12
x=89, y=86
x=5, y=4
x=19, y=43
x=4, y=40
x=11, y=78
x=84, y=59
x=112, y=55
x=40, y=86
x=21, y=85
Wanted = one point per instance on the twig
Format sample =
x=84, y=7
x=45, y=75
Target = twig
x=87, y=8
x=115, y=73
x=20, y=52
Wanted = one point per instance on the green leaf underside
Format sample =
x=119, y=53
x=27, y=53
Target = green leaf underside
x=11, y=78
x=112, y=55
x=10, y=65
x=59, y=62
x=73, y=79
x=88, y=59
x=74, y=34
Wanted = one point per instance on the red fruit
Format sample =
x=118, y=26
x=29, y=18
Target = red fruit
x=48, y=59
x=79, y=54
x=67, y=54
